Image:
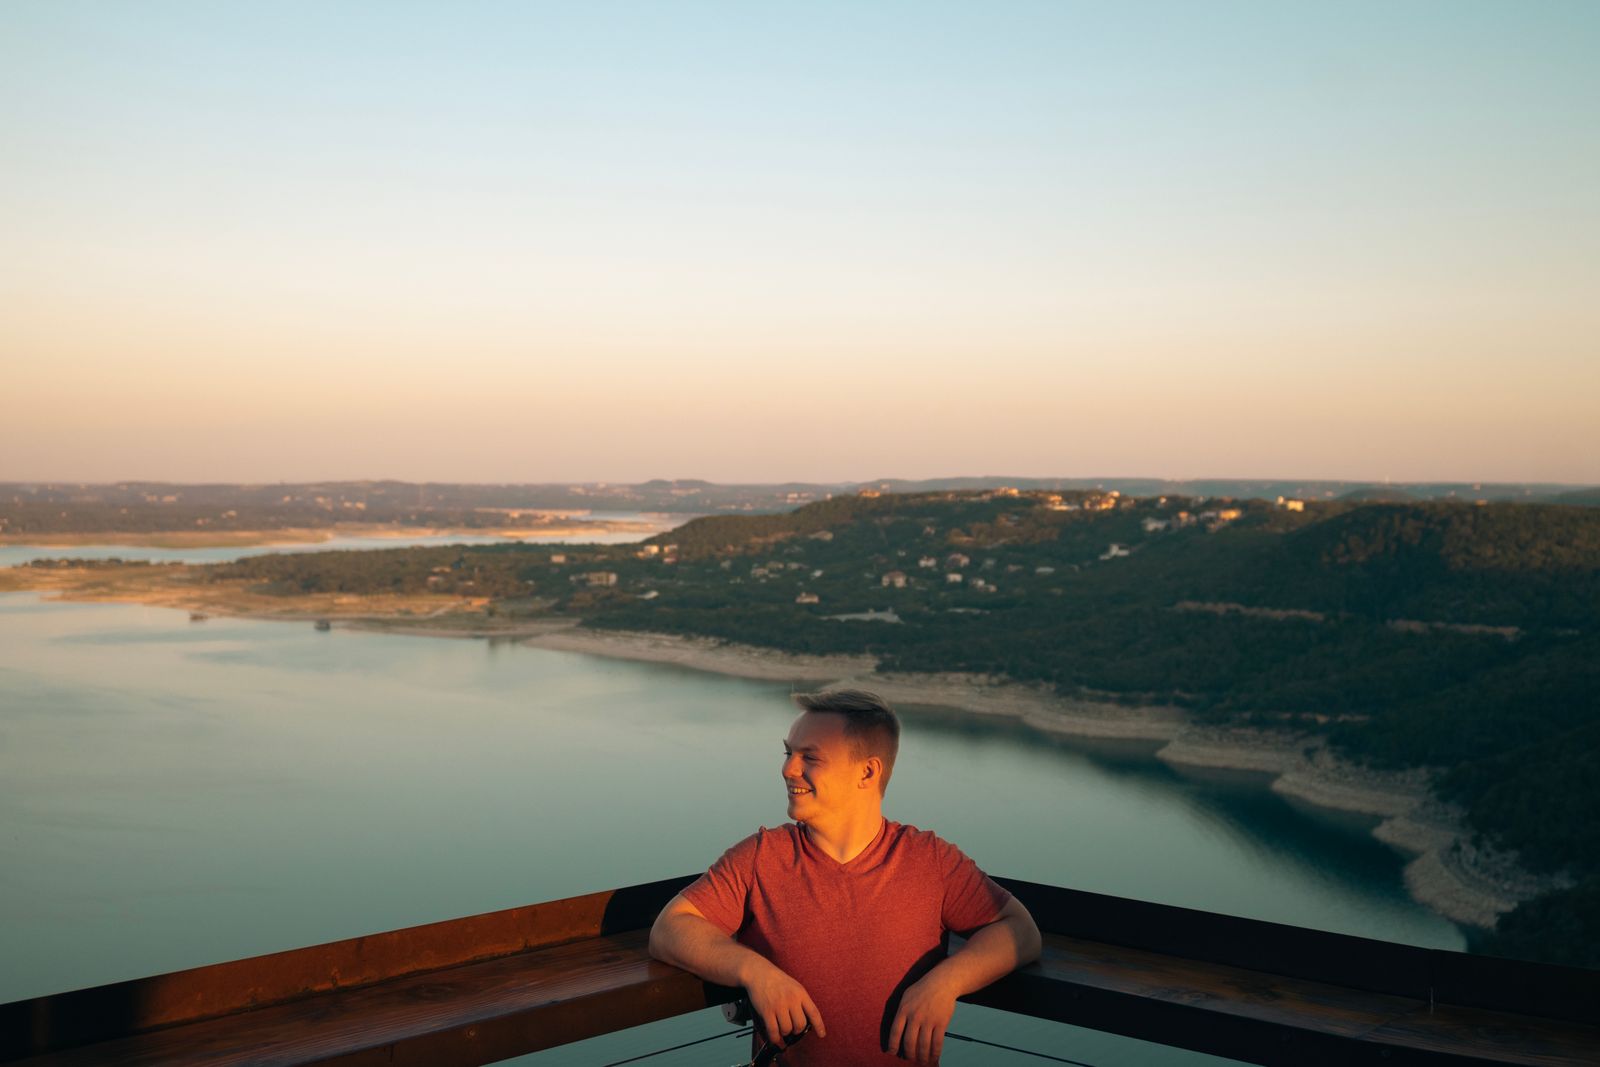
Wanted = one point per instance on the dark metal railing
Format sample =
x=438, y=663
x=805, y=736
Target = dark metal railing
x=493, y=986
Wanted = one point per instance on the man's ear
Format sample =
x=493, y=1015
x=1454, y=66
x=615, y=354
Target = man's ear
x=871, y=773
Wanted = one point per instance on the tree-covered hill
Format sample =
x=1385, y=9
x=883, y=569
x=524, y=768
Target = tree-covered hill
x=1460, y=637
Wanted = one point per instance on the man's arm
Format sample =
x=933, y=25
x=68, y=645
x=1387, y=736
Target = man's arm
x=685, y=938
x=992, y=952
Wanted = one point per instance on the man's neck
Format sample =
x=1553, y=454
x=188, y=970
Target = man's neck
x=846, y=840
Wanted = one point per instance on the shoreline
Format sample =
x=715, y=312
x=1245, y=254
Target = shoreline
x=1446, y=873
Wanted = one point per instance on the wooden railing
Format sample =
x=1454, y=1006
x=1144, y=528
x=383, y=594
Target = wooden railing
x=488, y=987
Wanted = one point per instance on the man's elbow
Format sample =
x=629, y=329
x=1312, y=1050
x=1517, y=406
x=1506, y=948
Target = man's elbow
x=1030, y=943
x=1025, y=933
x=661, y=938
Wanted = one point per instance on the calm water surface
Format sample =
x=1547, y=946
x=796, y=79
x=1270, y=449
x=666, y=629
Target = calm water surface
x=11, y=555
x=180, y=793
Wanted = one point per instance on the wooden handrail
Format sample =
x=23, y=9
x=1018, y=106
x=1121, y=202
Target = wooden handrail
x=487, y=987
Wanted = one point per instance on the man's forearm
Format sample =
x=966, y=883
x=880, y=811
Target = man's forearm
x=990, y=953
x=780, y=1004
x=694, y=944
x=926, y=1006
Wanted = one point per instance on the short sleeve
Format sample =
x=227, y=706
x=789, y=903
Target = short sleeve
x=971, y=898
x=722, y=893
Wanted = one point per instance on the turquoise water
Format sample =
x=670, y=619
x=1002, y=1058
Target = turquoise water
x=181, y=793
x=13, y=554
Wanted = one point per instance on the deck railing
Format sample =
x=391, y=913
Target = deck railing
x=493, y=986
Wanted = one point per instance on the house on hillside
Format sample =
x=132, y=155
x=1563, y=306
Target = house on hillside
x=895, y=580
x=807, y=598
x=1116, y=551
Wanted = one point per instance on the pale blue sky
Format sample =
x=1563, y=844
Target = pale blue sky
x=743, y=241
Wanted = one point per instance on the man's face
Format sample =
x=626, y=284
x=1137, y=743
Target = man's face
x=820, y=772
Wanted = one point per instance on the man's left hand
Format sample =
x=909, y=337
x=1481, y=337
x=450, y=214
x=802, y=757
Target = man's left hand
x=924, y=1016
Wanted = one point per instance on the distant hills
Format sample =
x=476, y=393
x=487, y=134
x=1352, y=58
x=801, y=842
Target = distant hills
x=1260, y=489
x=149, y=507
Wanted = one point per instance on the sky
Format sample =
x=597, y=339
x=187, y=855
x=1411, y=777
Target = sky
x=833, y=241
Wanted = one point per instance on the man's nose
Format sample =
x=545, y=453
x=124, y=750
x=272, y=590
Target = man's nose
x=791, y=765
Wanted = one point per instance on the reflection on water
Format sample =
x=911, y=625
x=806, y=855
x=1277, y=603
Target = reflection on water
x=180, y=793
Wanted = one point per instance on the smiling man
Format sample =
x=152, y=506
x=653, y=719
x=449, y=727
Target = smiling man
x=840, y=919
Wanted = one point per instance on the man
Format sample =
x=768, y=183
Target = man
x=838, y=920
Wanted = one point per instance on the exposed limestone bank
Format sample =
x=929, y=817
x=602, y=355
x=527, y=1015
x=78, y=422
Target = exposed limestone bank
x=1470, y=885
x=1465, y=884
x=705, y=654
x=978, y=694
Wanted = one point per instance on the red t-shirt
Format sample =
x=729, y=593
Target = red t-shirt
x=855, y=934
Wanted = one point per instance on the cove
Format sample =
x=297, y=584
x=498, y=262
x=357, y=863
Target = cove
x=180, y=793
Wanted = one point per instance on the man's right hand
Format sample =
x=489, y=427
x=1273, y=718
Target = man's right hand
x=683, y=937
x=779, y=1004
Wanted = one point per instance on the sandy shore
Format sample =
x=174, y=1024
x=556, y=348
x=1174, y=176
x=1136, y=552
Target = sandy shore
x=1446, y=874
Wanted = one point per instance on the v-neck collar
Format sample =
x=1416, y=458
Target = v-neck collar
x=862, y=860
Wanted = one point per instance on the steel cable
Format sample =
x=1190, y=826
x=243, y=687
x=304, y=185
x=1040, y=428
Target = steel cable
x=949, y=1034
x=746, y=1032
x=1013, y=1048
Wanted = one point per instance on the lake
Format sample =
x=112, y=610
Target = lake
x=179, y=793
x=13, y=554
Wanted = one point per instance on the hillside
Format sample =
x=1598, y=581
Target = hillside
x=1458, y=637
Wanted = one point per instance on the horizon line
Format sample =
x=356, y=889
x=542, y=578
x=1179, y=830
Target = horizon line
x=1002, y=478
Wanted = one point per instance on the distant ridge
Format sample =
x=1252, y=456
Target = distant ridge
x=1588, y=497
x=64, y=507
x=1385, y=494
